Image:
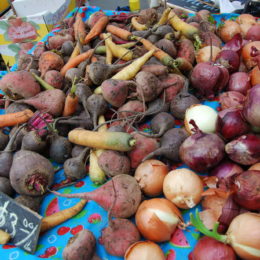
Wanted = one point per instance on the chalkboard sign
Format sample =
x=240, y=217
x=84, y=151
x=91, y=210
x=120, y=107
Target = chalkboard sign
x=20, y=222
x=195, y=5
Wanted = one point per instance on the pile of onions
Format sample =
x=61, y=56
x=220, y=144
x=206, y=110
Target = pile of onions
x=228, y=30
x=202, y=151
x=240, y=82
x=229, y=59
x=244, y=150
x=248, y=190
x=231, y=123
x=246, y=54
x=157, y=219
x=183, y=187
x=243, y=234
x=210, y=249
x=231, y=99
x=150, y=175
x=207, y=53
x=204, y=116
x=144, y=250
x=226, y=169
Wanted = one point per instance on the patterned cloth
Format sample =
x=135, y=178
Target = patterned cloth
x=93, y=217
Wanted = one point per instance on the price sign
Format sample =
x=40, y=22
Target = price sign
x=20, y=222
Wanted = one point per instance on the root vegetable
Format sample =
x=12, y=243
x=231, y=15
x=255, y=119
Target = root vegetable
x=167, y=46
x=121, y=195
x=80, y=247
x=156, y=69
x=186, y=50
x=207, y=53
x=57, y=41
x=114, y=163
x=170, y=144
x=229, y=59
x=50, y=61
x=33, y=141
x=183, y=187
x=4, y=138
x=5, y=237
x=255, y=76
x=31, y=174
x=240, y=82
x=51, y=101
x=5, y=186
x=54, y=78
x=249, y=61
x=228, y=30
x=231, y=99
x=19, y=84
x=253, y=33
x=16, y=107
x=118, y=236
x=33, y=203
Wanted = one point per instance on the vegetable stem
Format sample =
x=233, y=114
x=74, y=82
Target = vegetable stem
x=42, y=82
x=197, y=223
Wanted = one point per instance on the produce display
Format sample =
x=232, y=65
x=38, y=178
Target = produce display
x=150, y=119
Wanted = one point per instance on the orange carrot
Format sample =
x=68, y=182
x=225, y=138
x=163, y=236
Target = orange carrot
x=94, y=59
x=97, y=28
x=61, y=216
x=16, y=118
x=72, y=63
x=79, y=29
x=121, y=33
x=70, y=106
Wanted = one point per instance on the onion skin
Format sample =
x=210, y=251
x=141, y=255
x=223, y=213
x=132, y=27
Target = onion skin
x=232, y=124
x=202, y=151
x=183, y=187
x=228, y=30
x=150, y=175
x=251, y=109
x=253, y=33
x=208, y=248
x=229, y=59
x=226, y=169
x=204, y=54
x=255, y=76
x=231, y=99
x=156, y=219
x=240, y=82
x=144, y=250
x=244, y=150
x=248, y=193
x=255, y=167
x=244, y=231
x=235, y=44
x=246, y=54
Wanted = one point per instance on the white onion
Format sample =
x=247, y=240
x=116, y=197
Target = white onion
x=204, y=116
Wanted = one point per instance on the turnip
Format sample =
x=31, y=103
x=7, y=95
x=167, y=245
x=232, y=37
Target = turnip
x=6, y=187
x=33, y=141
x=121, y=195
x=31, y=173
x=54, y=78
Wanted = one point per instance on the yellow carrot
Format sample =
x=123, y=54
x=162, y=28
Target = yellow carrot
x=4, y=237
x=75, y=52
x=109, y=55
x=131, y=70
x=138, y=26
x=102, y=49
x=61, y=216
x=164, y=18
x=118, y=51
x=117, y=141
x=96, y=174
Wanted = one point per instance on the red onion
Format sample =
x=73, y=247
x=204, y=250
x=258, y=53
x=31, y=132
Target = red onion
x=240, y=82
x=229, y=59
x=252, y=106
x=202, y=151
x=208, y=248
x=235, y=44
x=231, y=123
x=229, y=211
x=245, y=149
x=231, y=99
x=209, y=79
x=253, y=33
x=248, y=193
x=225, y=169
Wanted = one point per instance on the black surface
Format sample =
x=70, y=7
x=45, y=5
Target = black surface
x=20, y=222
x=195, y=5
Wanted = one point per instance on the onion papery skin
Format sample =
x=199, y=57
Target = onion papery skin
x=231, y=99
x=251, y=109
x=240, y=82
x=144, y=250
x=231, y=124
x=244, y=150
x=225, y=169
x=201, y=151
x=157, y=219
x=208, y=248
x=244, y=236
x=248, y=192
x=183, y=187
x=229, y=59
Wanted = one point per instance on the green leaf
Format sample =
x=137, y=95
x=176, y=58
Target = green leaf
x=4, y=25
x=35, y=25
x=6, y=36
x=211, y=19
x=14, y=47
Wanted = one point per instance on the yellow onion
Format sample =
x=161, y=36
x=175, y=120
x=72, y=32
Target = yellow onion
x=207, y=53
x=150, y=175
x=183, y=187
x=255, y=167
x=144, y=250
x=157, y=219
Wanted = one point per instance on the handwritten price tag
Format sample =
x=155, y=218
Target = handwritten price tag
x=20, y=222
